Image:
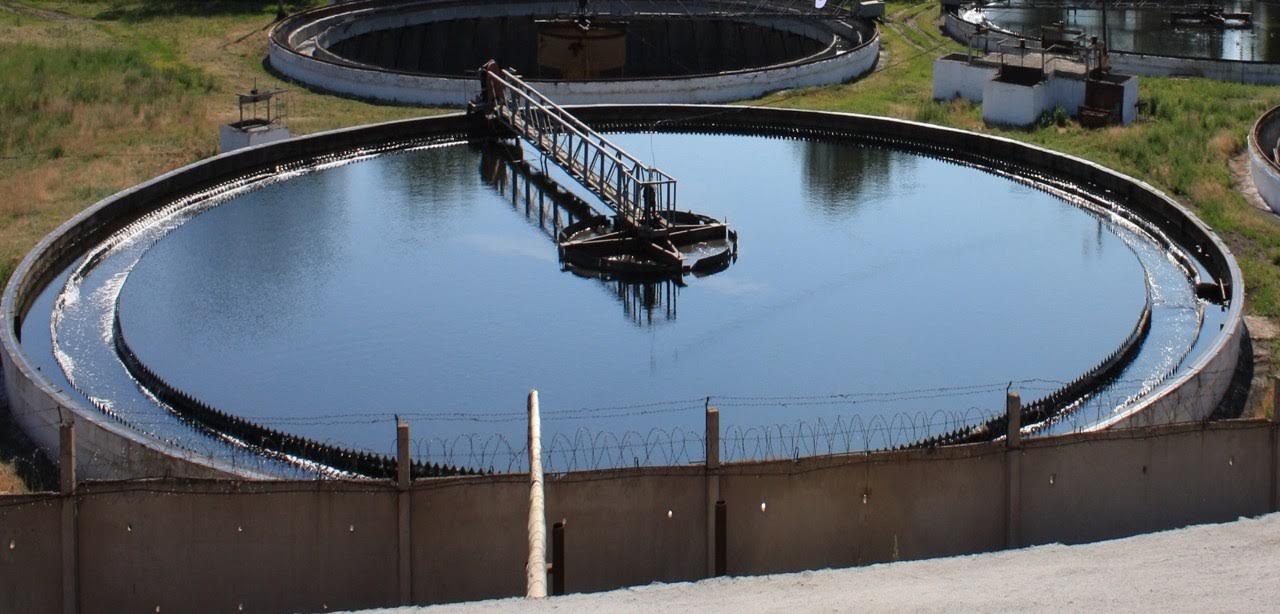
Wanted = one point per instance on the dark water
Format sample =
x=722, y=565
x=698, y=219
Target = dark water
x=408, y=284
x=1150, y=31
x=637, y=48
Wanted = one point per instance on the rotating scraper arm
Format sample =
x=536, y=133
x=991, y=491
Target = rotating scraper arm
x=634, y=190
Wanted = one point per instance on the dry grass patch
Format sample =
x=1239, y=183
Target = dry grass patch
x=1225, y=144
x=1207, y=190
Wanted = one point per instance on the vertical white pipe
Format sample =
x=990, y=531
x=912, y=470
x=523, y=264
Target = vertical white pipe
x=536, y=567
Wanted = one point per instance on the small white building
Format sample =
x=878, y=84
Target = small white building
x=262, y=115
x=1015, y=89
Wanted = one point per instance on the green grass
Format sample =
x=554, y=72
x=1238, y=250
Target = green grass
x=41, y=104
x=100, y=95
x=65, y=106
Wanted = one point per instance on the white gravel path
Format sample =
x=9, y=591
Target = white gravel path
x=1230, y=567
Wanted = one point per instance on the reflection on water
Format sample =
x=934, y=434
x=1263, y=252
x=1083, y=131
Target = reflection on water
x=841, y=179
x=1149, y=30
x=450, y=312
x=645, y=302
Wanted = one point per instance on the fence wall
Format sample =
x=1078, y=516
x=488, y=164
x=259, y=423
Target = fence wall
x=191, y=545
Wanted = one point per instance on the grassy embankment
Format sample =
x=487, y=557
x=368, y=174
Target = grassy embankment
x=98, y=95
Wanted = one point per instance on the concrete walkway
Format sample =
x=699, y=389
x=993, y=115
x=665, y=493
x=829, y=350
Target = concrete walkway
x=1218, y=568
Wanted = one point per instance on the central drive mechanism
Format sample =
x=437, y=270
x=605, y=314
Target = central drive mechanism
x=646, y=234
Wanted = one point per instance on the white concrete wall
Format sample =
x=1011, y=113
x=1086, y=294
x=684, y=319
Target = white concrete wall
x=231, y=138
x=451, y=91
x=1129, y=110
x=1009, y=104
x=1064, y=92
x=958, y=78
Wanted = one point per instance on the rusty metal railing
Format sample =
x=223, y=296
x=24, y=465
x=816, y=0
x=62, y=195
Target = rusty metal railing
x=635, y=191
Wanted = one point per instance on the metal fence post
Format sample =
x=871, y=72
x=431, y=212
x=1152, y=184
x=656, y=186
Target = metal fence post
x=1275, y=399
x=713, y=491
x=1013, y=413
x=722, y=539
x=1013, y=470
x=70, y=548
x=404, y=479
x=1275, y=444
x=557, y=558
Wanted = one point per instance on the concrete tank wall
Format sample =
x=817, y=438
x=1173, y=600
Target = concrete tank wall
x=311, y=65
x=1263, y=167
x=447, y=91
x=218, y=546
x=111, y=450
x=106, y=449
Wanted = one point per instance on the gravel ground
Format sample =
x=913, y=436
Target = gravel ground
x=1217, y=568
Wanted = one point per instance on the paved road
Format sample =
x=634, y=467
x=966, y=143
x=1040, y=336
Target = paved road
x=1217, y=568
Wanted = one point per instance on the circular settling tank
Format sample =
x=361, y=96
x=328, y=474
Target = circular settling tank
x=1264, y=165
x=880, y=297
x=428, y=52
x=1206, y=30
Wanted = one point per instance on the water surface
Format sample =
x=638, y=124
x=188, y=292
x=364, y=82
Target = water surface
x=879, y=297
x=411, y=284
x=1149, y=30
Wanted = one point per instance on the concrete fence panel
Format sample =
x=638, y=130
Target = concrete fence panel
x=220, y=546
x=1079, y=490
x=468, y=539
x=857, y=510
x=31, y=553
x=645, y=528
x=217, y=546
